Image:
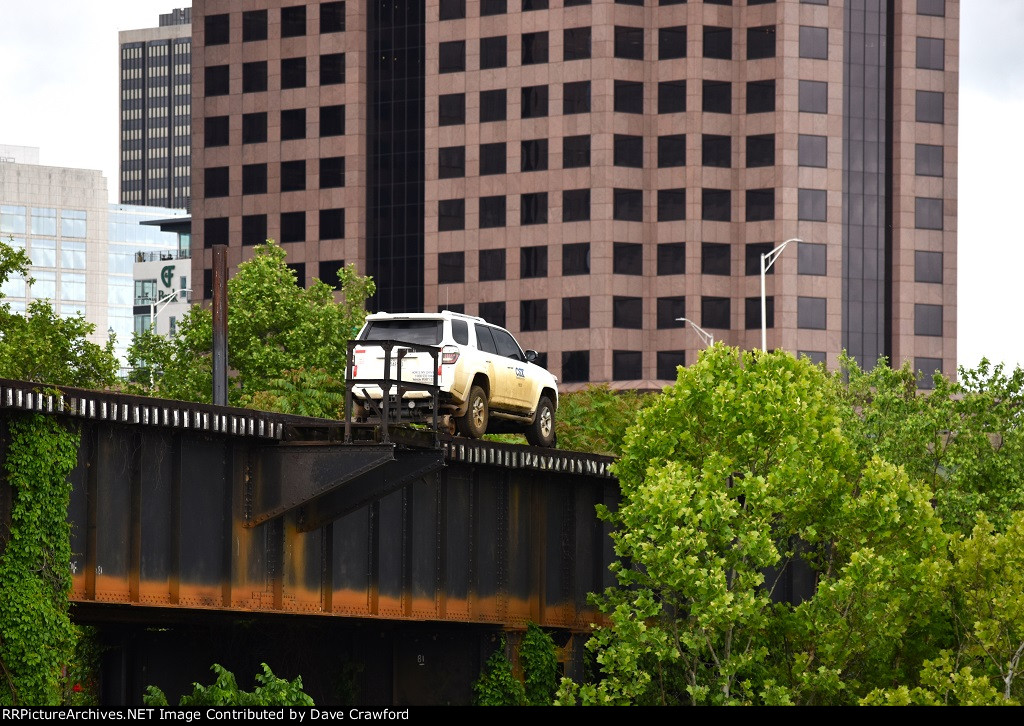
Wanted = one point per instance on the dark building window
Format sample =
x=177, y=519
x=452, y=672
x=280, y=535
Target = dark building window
x=717, y=42
x=672, y=258
x=760, y=204
x=533, y=315
x=715, y=313
x=332, y=120
x=812, y=150
x=575, y=151
x=451, y=109
x=254, y=229
x=215, y=231
x=293, y=175
x=927, y=160
x=670, y=309
x=493, y=312
x=459, y=308
x=533, y=208
x=575, y=366
x=332, y=17
x=494, y=52
x=931, y=53
x=215, y=131
x=254, y=25
x=627, y=365
x=576, y=43
x=628, y=258
x=493, y=105
x=716, y=150
x=216, y=180
x=718, y=2
x=926, y=369
x=930, y=107
x=671, y=205
x=293, y=124
x=492, y=212
x=927, y=266
x=535, y=48
x=254, y=128
x=927, y=213
x=576, y=97
x=207, y=283
x=628, y=312
x=576, y=259
x=218, y=29
x=254, y=179
x=293, y=226
x=332, y=68
x=669, y=361
x=451, y=215
x=816, y=357
x=628, y=97
x=493, y=7
x=761, y=150
x=534, y=155
x=715, y=259
x=811, y=259
x=293, y=21
x=813, y=42
x=671, y=151
x=452, y=56
x=534, y=101
x=752, y=258
x=716, y=205
x=254, y=77
x=217, y=80
x=329, y=272
x=575, y=205
x=812, y=205
x=332, y=224
x=628, y=205
x=931, y=7
x=451, y=267
x=492, y=265
x=533, y=261
x=717, y=97
x=575, y=313
x=813, y=96
x=332, y=172
x=534, y=5
x=671, y=96
x=752, y=319
x=629, y=43
x=628, y=151
x=299, y=268
x=672, y=42
x=293, y=73
x=761, y=42
x=811, y=312
x=760, y=96
x=493, y=158
x=452, y=9
x=451, y=162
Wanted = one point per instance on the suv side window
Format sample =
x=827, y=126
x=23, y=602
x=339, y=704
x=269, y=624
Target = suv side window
x=460, y=331
x=484, y=341
x=507, y=345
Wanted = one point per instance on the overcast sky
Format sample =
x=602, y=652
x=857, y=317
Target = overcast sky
x=58, y=91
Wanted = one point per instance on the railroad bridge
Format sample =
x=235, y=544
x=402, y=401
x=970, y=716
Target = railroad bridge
x=404, y=552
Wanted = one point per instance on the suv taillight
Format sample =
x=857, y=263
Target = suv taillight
x=449, y=355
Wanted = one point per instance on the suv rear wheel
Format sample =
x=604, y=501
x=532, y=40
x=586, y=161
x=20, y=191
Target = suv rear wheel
x=542, y=431
x=474, y=423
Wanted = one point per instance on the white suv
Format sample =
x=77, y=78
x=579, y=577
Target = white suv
x=487, y=382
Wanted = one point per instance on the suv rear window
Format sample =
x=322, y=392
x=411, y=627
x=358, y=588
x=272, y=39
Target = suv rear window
x=460, y=331
x=424, y=332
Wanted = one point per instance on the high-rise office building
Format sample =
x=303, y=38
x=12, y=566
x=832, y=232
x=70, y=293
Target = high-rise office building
x=156, y=112
x=588, y=172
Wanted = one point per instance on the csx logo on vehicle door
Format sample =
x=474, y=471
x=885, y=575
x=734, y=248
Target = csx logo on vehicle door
x=520, y=373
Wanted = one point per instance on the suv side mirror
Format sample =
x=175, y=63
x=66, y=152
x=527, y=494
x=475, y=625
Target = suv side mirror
x=531, y=356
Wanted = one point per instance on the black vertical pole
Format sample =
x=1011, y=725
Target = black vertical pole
x=220, y=325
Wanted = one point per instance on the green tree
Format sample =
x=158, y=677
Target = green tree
x=270, y=690
x=596, y=418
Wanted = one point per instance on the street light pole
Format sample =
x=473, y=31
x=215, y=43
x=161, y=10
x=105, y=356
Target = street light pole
x=767, y=260
x=707, y=338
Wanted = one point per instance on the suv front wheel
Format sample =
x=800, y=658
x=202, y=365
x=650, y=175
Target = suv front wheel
x=474, y=423
x=542, y=431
